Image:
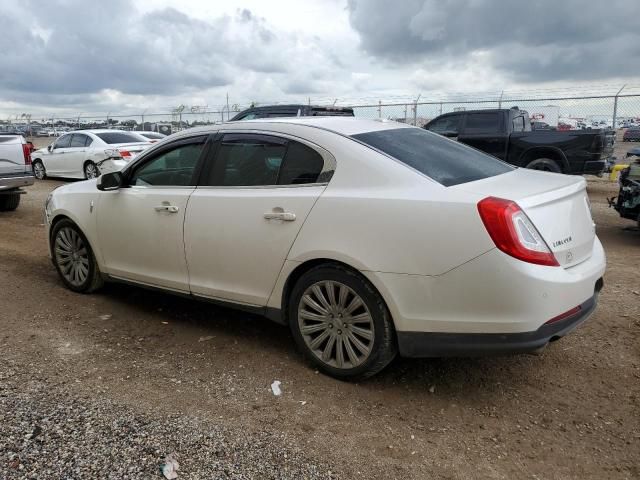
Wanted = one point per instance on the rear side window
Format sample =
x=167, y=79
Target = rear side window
x=78, y=140
x=301, y=165
x=118, y=137
x=447, y=162
x=251, y=160
x=248, y=160
x=488, y=122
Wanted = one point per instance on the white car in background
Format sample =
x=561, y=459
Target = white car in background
x=87, y=153
x=152, y=137
x=367, y=238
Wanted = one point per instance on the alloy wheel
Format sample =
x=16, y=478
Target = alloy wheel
x=90, y=170
x=72, y=256
x=336, y=324
x=38, y=170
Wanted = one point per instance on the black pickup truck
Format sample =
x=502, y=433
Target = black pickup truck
x=507, y=134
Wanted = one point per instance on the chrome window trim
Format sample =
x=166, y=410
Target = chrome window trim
x=259, y=187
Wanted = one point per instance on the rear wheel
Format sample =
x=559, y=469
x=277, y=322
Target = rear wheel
x=9, y=202
x=341, y=323
x=91, y=170
x=38, y=170
x=545, y=164
x=74, y=259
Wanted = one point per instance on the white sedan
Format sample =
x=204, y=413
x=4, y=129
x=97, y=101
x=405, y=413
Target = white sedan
x=87, y=153
x=367, y=238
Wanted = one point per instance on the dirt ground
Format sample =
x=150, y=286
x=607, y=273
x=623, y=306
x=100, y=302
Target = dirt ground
x=572, y=412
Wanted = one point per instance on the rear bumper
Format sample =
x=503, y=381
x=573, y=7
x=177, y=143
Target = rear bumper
x=438, y=344
x=16, y=181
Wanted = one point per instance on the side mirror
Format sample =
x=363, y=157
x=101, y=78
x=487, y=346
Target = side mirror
x=50, y=147
x=449, y=134
x=110, y=181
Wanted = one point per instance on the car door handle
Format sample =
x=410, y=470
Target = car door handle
x=167, y=208
x=285, y=216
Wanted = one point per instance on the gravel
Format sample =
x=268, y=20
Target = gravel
x=49, y=432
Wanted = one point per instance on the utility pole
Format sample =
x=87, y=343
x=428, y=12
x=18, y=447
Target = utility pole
x=228, y=116
x=415, y=110
x=500, y=100
x=615, y=106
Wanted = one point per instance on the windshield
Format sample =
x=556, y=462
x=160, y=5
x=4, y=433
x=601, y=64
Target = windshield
x=119, y=137
x=445, y=161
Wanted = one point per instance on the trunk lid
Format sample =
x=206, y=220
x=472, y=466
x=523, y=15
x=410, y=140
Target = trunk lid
x=557, y=205
x=133, y=148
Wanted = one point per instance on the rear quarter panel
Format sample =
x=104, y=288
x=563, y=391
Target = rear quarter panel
x=377, y=214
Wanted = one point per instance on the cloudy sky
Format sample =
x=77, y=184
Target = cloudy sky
x=130, y=55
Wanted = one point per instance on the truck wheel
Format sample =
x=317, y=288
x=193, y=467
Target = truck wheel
x=9, y=202
x=545, y=164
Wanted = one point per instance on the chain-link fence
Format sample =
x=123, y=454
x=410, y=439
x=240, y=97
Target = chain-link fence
x=595, y=107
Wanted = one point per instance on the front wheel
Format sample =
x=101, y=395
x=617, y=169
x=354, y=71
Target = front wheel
x=74, y=259
x=545, y=164
x=341, y=323
x=91, y=170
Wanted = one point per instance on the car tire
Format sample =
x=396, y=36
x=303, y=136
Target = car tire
x=38, y=170
x=74, y=259
x=545, y=164
x=324, y=329
x=91, y=170
x=9, y=202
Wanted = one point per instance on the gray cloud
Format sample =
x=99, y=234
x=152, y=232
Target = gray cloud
x=527, y=41
x=69, y=48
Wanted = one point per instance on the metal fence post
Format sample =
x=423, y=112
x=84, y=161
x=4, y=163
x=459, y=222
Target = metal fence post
x=615, y=106
x=379, y=108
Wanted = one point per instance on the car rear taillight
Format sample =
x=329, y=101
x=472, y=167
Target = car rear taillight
x=513, y=233
x=26, y=152
x=125, y=153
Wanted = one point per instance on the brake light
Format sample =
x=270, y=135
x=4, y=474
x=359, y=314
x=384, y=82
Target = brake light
x=125, y=153
x=513, y=233
x=26, y=152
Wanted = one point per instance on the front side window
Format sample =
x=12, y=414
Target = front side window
x=172, y=167
x=63, y=142
x=251, y=160
x=449, y=124
x=448, y=163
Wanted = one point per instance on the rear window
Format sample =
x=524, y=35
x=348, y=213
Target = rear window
x=445, y=161
x=118, y=137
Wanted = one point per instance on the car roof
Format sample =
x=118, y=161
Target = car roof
x=340, y=125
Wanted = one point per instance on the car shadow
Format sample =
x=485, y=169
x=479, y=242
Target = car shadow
x=254, y=334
